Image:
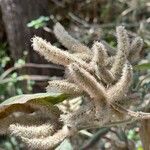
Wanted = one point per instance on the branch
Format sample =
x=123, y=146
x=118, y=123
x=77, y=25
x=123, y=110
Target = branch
x=136, y=115
x=25, y=77
x=51, y=66
x=95, y=138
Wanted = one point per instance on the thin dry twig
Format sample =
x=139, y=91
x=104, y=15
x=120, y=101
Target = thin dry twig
x=46, y=66
x=26, y=77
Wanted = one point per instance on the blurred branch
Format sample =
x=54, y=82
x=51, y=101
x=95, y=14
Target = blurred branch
x=135, y=115
x=47, y=29
x=75, y=18
x=47, y=66
x=85, y=132
x=58, y=3
x=111, y=124
x=140, y=82
x=25, y=77
x=107, y=25
x=95, y=138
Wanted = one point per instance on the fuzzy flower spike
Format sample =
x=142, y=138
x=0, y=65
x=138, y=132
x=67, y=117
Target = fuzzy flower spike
x=101, y=75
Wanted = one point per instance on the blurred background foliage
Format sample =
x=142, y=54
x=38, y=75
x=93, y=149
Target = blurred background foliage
x=88, y=21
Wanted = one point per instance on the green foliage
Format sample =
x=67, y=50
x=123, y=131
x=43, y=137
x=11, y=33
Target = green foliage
x=140, y=148
x=144, y=66
x=4, y=59
x=10, y=84
x=38, y=23
x=133, y=135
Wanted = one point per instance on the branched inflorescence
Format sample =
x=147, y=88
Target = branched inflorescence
x=100, y=75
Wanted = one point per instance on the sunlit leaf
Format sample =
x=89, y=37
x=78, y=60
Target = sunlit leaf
x=38, y=23
x=140, y=148
x=144, y=66
x=21, y=102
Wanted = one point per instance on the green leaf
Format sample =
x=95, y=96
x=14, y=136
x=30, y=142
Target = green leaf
x=21, y=102
x=38, y=23
x=144, y=66
x=53, y=98
x=140, y=148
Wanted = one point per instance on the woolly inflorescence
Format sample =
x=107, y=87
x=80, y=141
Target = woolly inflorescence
x=101, y=75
